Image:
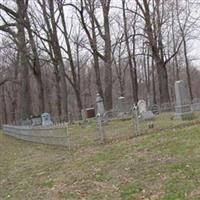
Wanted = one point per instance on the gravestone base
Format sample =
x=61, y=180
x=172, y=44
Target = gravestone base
x=148, y=115
x=123, y=115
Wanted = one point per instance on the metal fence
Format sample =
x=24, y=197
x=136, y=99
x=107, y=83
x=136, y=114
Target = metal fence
x=163, y=118
x=56, y=134
x=113, y=125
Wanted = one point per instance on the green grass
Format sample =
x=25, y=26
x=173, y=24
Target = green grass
x=86, y=134
x=162, y=166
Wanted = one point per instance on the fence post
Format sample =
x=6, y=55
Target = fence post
x=100, y=127
x=68, y=136
x=136, y=120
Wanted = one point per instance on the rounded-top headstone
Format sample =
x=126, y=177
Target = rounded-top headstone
x=46, y=119
x=142, y=106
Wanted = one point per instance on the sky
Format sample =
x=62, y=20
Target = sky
x=193, y=45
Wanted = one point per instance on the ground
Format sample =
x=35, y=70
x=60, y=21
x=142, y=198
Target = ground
x=161, y=165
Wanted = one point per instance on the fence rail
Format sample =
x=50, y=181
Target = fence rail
x=56, y=134
x=111, y=126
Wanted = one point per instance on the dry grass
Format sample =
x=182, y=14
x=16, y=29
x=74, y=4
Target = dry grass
x=158, y=166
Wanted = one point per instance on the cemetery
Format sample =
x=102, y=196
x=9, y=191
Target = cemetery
x=131, y=152
x=124, y=122
x=99, y=100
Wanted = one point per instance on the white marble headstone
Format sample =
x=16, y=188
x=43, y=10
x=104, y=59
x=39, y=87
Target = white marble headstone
x=46, y=119
x=142, y=106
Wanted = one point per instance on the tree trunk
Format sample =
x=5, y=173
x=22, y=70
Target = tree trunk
x=163, y=83
x=36, y=67
x=133, y=73
x=108, y=60
x=4, y=111
x=58, y=57
x=153, y=83
x=24, y=64
x=98, y=75
x=156, y=48
x=187, y=68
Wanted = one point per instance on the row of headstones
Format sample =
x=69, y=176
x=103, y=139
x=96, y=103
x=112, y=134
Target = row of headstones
x=122, y=108
x=182, y=108
x=44, y=120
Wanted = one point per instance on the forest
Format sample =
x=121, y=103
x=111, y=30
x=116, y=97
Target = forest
x=56, y=55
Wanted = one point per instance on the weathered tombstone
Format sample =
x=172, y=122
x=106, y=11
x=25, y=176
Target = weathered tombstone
x=122, y=109
x=46, y=119
x=148, y=115
x=142, y=106
x=183, y=102
x=100, y=105
x=90, y=112
x=36, y=121
x=142, y=109
x=121, y=104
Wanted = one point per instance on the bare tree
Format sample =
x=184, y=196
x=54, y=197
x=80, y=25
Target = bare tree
x=131, y=55
x=153, y=28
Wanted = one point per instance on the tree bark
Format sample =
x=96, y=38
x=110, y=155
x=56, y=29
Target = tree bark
x=157, y=54
x=24, y=63
x=107, y=56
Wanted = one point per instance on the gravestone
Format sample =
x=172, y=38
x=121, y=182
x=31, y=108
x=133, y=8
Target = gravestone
x=46, y=119
x=90, y=112
x=36, y=121
x=148, y=115
x=183, y=102
x=144, y=114
x=142, y=106
x=121, y=104
x=100, y=105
